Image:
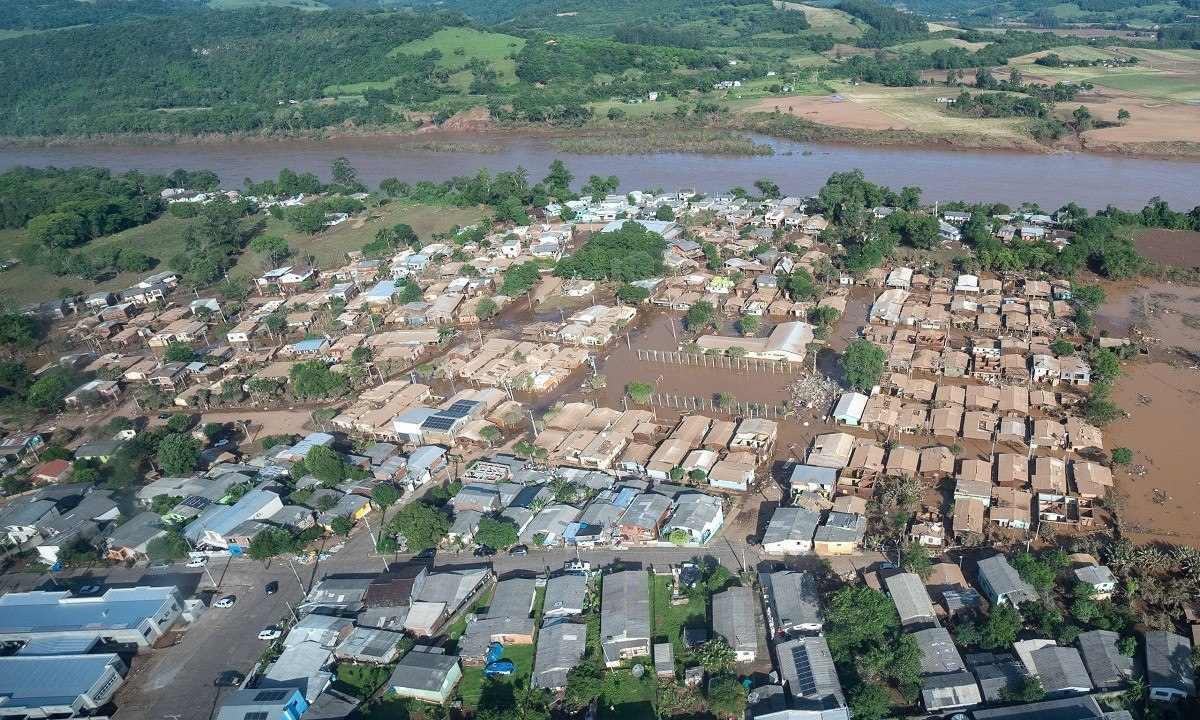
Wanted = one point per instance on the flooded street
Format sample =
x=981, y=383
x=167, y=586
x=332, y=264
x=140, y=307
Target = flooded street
x=1052, y=180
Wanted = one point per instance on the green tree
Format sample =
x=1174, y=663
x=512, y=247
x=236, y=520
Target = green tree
x=1106, y=367
x=1123, y=116
x=1034, y=571
x=1122, y=456
x=726, y=696
x=640, y=392
x=178, y=454
x=421, y=525
x=859, y=618
x=749, y=324
x=799, y=285
x=314, y=379
x=341, y=525
x=715, y=655
x=272, y=248
x=498, y=533
x=308, y=219
x=170, y=547
x=20, y=331
x=869, y=702
x=1062, y=347
x=585, y=685
x=326, y=465
x=863, y=364
x=1028, y=691
x=699, y=316
x=1001, y=628
x=664, y=212
x=916, y=559
x=385, y=495
x=768, y=188
x=179, y=352
x=269, y=543
x=486, y=308
x=1083, y=118
x=48, y=391
x=179, y=423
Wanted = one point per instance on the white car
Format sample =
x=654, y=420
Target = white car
x=271, y=633
x=197, y=562
x=226, y=602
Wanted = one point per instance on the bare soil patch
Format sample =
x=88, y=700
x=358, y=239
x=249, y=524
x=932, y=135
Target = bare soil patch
x=827, y=110
x=1171, y=247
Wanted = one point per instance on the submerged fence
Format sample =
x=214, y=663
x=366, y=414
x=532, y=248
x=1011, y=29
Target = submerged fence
x=728, y=405
x=721, y=362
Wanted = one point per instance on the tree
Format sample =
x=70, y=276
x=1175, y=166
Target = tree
x=916, y=559
x=422, y=526
x=497, y=533
x=632, y=294
x=1062, y=347
x=1035, y=571
x=869, y=702
x=679, y=537
x=1083, y=118
x=486, y=308
x=490, y=434
x=179, y=352
x=1106, y=367
x=179, y=423
x=800, y=285
x=308, y=219
x=585, y=684
x=345, y=175
x=48, y=391
x=269, y=543
x=326, y=465
x=1122, y=456
x=767, y=187
x=699, y=316
x=640, y=392
x=664, y=212
x=1028, y=691
x=859, y=618
x=57, y=229
x=314, y=379
x=172, y=546
x=20, y=331
x=385, y=495
x=342, y=525
x=271, y=248
x=726, y=696
x=178, y=454
x=863, y=363
x=1001, y=628
x=1123, y=116
x=749, y=324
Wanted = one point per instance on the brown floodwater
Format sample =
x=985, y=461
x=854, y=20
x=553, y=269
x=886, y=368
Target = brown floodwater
x=1052, y=180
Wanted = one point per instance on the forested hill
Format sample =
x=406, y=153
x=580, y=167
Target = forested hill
x=204, y=71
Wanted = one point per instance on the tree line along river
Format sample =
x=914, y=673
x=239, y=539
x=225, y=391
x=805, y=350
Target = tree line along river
x=1052, y=180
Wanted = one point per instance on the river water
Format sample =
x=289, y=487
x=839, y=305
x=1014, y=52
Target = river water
x=799, y=168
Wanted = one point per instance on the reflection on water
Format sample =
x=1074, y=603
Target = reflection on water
x=800, y=168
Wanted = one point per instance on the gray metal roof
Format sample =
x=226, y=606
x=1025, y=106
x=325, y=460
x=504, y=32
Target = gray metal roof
x=371, y=644
x=1168, y=661
x=422, y=670
x=1082, y=707
x=793, y=598
x=560, y=647
x=646, y=510
x=625, y=607
x=733, y=618
x=910, y=598
x=1060, y=669
x=949, y=690
x=1107, y=667
x=791, y=523
x=842, y=527
x=938, y=653
x=565, y=595
x=1004, y=580
x=806, y=668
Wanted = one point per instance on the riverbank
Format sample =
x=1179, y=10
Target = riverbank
x=720, y=135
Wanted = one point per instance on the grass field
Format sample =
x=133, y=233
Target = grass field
x=1154, y=85
x=460, y=45
x=669, y=620
x=636, y=110
x=828, y=21
x=329, y=247
x=474, y=683
x=163, y=239
x=160, y=239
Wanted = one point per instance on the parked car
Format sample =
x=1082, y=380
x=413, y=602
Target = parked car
x=484, y=551
x=159, y=564
x=226, y=602
x=519, y=550
x=271, y=633
x=88, y=590
x=197, y=562
x=272, y=587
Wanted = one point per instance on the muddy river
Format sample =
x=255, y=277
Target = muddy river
x=800, y=168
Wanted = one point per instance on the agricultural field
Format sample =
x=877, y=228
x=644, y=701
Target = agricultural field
x=932, y=44
x=828, y=21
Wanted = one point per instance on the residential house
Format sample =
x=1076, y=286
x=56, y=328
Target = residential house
x=841, y=534
x=1001, y=584
x=911, y=599
x=807, y=671
x=733, y=619
x=790, y=531
x=1107, y=667
x=625, y=616
x=427, y=674
x=561, y=646
x=793, y=602
x=1169, y=673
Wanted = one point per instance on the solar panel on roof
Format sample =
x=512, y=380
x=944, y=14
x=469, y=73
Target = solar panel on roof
x=459, y=409
x=439, y=422
x=255, y=715
x=271, y=695
x=804, y=672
